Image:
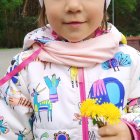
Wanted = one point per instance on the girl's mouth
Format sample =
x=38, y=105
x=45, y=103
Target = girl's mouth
x=74, y=24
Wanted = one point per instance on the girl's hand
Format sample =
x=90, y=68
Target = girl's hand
x=115, y=132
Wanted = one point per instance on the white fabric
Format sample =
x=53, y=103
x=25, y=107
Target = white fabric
x=107, y=2
x=41, y=2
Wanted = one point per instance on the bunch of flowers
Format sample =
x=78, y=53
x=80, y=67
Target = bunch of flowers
x=106, y=113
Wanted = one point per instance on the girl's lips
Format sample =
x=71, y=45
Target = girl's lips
x=74, y=23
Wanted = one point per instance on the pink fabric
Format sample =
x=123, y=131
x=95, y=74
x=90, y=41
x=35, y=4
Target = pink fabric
x=136, y=133
x=86, y=53
x=83, y=97
x=99, y=87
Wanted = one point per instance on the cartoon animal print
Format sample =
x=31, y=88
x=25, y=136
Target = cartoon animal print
x=91, y=135
x=22, y=134
x=74, y=76
x=77, y=117
x=133, y=102
x=20, y=102
x=43, y=40
x=120, y=59
x=44, y=135
x=136, y=122
x=11, y=90
x=4, y=94
x=14, y=64
x=3, y=126
x=45, y=105
x=134, y=105
x=112, y=63
x=108, y=90
x=52, y=84
x=61, y=136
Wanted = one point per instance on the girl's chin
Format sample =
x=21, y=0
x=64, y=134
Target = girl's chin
x=74, y=40
x=77, y=39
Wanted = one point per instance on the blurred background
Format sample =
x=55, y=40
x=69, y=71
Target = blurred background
x=17, y=18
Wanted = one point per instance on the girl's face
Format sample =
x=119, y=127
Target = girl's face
x=74, y=20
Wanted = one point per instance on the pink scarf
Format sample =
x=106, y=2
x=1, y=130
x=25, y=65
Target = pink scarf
x=81, y=54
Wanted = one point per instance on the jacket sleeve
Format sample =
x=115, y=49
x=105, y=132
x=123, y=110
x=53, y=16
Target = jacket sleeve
x=16, y=114
x=132, y=117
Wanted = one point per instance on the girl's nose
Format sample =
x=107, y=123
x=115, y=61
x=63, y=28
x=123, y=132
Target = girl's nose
x=72, y=6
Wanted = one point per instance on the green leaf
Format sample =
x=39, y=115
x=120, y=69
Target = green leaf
x=94, y=121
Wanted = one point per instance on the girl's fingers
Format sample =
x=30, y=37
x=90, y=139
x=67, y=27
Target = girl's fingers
x=107, y=131
x=115, y=132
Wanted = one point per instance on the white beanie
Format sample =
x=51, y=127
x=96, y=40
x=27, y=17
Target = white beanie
x=107, y=3
x=41, y=2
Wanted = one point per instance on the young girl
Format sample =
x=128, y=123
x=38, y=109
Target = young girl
x=80, y=56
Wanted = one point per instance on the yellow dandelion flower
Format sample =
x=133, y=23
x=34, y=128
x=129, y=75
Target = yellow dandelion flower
x=112, y=114
x=94, y=111
x=87, y=107
x=101, y=114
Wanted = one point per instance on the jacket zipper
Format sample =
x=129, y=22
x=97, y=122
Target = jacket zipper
x=83, y=97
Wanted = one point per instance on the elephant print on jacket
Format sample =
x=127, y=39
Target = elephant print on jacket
x=109, y=90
